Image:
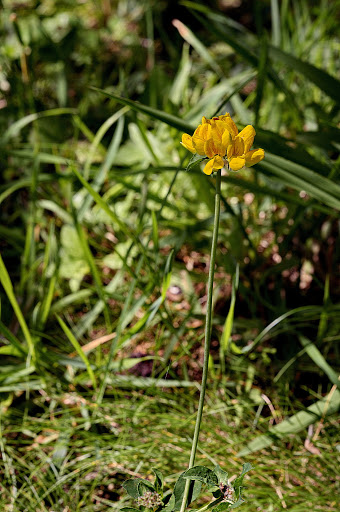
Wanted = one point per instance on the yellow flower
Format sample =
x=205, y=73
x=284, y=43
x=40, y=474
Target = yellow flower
x=218, y=139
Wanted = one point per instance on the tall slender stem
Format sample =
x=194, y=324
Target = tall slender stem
x=208, y=321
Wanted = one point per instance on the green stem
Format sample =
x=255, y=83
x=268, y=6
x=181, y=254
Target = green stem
x=210, y=505
x=208, y=320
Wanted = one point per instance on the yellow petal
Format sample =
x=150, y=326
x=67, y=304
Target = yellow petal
x=203, y=131
x=247, y=134
x=198, y=144
x=238, y=147
x=230, y=150
x=253, y=157
x=226, y=138
x=232, y=128
x=213, y=165
x=197, y=131
x=224, y=116
x=213, y=147
x=236, y=163
x=210, y=149
x=208, y=169
x=220, y=127
x=218, y=163
x=187, y=142
x=215, y=133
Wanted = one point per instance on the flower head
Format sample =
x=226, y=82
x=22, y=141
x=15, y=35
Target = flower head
x=151, y=500
x=227, y=491
x=218, y=139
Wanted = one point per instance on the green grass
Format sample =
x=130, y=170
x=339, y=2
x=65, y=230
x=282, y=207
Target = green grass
x=69, y=453
x=100, y=223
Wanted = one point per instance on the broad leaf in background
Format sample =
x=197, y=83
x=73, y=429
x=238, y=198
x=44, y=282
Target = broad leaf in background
x=73, y=263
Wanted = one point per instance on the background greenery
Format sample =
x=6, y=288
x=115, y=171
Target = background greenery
x=104, y=241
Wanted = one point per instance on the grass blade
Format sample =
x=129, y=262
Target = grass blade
x=169, y=119
x=315, y=354
x=8, y=287
x=328, y=405
x=285, y=175
x=78, y=349
x=275, y=16
x=12, y=339
x=225, y=338
x=96, y=141
x=326, y=82
x=191, y=39
x=224, y=33
x=94, y=271
x=16, y=127
x=46, y=305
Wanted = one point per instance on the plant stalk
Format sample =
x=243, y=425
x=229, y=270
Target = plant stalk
x=208, y=322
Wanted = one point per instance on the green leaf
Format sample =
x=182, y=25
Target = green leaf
x=237, y=503
x=73, y=263
x=328, y=405
x=245, y=468
x=222, y=476
x=221, y=507
x=202, y=474
x=145, y=486
x=158, y=480
x=122, y=252
x=194, y=491
x=132, y=487
x=237, y=484
x=195, y=160
x=171, y=504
